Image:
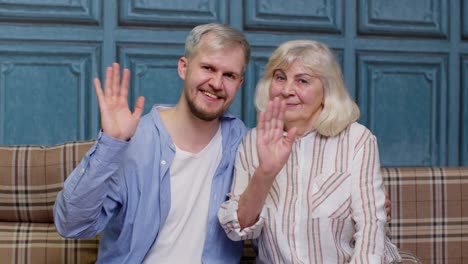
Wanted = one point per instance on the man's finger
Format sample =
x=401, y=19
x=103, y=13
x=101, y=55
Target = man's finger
x=115, y=79
x=99, y=92
x=108, y=82
x=139, y=106
x=125, y=83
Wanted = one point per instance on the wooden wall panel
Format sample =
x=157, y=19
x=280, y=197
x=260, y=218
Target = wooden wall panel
x=51, y=11
x=402, y=98
x=172, y=12
x=320, y=15
x=153, y=73
x=44, y=91
x=426, y=18
x=464, y=112
x=405, y=63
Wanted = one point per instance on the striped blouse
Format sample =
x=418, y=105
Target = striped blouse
x=325, y=206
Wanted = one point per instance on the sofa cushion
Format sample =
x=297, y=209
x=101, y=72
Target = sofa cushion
x=429, y=208
x=31, y=177
x=39, y=243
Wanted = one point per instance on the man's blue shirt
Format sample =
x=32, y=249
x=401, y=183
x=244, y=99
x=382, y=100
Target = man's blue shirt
x=122, y=191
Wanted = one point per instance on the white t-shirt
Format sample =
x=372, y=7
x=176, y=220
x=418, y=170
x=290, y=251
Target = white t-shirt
x=182, y=236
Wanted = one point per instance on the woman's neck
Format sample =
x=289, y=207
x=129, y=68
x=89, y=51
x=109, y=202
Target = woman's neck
x=302, y=128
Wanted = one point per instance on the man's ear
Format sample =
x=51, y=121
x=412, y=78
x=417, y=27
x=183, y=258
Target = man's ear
x=182, y=67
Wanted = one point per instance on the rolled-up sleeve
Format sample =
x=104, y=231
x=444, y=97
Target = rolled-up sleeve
x=227, y=214
x=228, y=219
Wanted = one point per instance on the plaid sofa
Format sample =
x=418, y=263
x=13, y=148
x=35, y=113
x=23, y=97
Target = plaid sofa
x=429, y=209
x=30, y=178
x=430, y=212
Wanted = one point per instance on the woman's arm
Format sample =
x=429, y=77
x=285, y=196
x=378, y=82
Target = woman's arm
x=368, y=198
x=272, y=151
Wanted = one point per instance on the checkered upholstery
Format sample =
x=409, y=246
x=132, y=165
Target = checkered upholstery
x=30, y=178
x=429, y=208
x=429, y=212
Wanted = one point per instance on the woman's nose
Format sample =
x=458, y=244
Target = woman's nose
x=287, y=89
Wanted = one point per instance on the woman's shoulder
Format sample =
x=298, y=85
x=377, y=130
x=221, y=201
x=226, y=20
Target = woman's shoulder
x=358, y=132
x=357, y=128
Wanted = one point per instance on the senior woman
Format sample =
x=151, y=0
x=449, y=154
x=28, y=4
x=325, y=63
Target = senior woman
x=307, y=179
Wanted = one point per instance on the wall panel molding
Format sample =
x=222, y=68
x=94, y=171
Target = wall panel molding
x=253, y=73
x=42, y=84
x=405, y=62
x=172, y=12
x=404, y=18
x=56, y=11
x=403, y=98
x=312, y=16
x=153, y=72
x=464, y=111
x=464, y=18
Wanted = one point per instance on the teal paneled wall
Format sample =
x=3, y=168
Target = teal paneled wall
x=404, y=61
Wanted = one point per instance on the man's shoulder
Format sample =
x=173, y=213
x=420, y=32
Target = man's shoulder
x=150, y=128
x=151, y=120
x=234, y=123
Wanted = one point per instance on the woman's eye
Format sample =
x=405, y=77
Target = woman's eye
x=279, y=78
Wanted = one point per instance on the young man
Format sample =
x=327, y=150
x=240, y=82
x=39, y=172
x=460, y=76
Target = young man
x=152, y=187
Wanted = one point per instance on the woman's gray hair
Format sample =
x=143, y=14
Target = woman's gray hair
x=221, y=36
x=339, y=110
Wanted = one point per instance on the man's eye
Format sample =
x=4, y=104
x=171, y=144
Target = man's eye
x=230, y=76
x=208, y=68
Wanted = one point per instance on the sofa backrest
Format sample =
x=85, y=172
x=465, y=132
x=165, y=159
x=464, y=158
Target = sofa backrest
x=31, y=177
x=429, y=212
x=429, y=208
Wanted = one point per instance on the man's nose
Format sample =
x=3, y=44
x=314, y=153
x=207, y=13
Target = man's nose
x=216, y=81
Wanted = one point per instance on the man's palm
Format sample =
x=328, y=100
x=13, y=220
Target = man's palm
x=116, y=118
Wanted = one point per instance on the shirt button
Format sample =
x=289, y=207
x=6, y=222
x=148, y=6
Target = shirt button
x=82, y=170
x=163, y=162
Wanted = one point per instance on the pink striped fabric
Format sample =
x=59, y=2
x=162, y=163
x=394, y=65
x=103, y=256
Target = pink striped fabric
x=310, y=215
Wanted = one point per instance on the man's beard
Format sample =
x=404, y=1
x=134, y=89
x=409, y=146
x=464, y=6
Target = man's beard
x=203, y=115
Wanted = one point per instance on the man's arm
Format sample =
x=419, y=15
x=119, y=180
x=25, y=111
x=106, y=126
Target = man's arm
x=91, y=192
